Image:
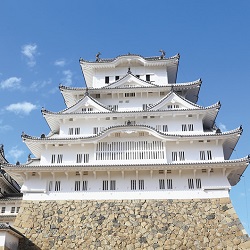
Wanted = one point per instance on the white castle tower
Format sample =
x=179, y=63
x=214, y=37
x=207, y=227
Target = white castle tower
x=132, y=133
x=132, y=162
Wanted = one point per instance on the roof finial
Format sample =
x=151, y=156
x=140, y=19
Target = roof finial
x=97, y=57
x=129, y=71
x=87, y=91
x=163, y=53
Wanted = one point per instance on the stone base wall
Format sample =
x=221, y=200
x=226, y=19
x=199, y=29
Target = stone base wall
x=131, y=224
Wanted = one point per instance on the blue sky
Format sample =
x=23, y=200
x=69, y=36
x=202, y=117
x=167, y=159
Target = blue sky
x=41, y=43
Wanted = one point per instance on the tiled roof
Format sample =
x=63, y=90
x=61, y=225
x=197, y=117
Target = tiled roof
x=7, y=227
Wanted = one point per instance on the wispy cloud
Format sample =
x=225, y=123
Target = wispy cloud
x=67, y=79
x=11, y=83
x=21, y=108
x=30, y=51
x=4, y=127
x=222, y=127
x=60, y=63
x=15, y=153
x=37, y=85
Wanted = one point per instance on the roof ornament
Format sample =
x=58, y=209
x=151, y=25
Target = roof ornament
x=87, y=92
x=29, y=157
x=129, y=71
x=163, y=53
x=97, y=57
x=1, y=148
x=128, y=122
x=17, y=163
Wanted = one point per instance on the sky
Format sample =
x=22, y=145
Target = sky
x=41, y=43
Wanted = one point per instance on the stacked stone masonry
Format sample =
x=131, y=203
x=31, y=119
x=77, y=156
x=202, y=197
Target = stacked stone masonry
x=131, y=224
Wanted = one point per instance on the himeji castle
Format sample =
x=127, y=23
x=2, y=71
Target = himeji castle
x=132, y=134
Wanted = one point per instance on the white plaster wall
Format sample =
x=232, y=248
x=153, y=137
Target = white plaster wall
x=11, y=241
x=36, y=188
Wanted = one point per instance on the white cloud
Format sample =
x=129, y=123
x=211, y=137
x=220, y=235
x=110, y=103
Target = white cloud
x=30, y=51
x=222, y=127
x=15, y=153
x=3, y=127
x=36, y=86
x=11, y=83
x=60, y=63
x=21, y=107
x=67, y=80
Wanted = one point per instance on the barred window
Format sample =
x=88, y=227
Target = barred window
x=3, y=209
x=165, y=128
x=141, y=184
x=174, y=156
x=209, y=155
x=71, y=131
x=77, y=185
x=112, y=185
x=59, y=158
x=53, y=158
x=133, y=184
x=202, y=155
x=198, y=183
x=161, y=184
x=77, y=131
x=50, y=185
x=86, y=158
x=169, y=184
x=13, y=209
x=105, y=185
x=182, y=156
x=79, y=158
x=85, y=185
x=191, y=183
x=58, y=186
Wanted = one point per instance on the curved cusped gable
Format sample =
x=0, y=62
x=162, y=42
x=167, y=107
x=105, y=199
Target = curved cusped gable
x=86, y=104
x=173, y=101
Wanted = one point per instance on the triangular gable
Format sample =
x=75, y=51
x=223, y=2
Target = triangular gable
x=129, y=80
x=86, y=104
x=173, y=101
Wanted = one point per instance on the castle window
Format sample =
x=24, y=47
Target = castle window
x=84, y=185
x=133, y=184
x=158, y=127
x=95, y=130
x=106, y=79
x=117, y=78
x=77, y=186
x=57, y=185
x=3, y=209
x=129, y=94
x=97, y=96
x=117, y=134
x=181, y=156
x=198, y=183
x=169, y=171
x=161, y=184
x=77, y=131
x=78, y=158
x=141, y=134
x=161, y=171
x=148, y=78
x=85, y=158
x=184, y=127
x=53, y=158
x=59, y=158
x=202, y=155
x=191, y=183
x=87, y=109
x=209, y=155
x=165, y=128
x=138, y=76
x=190, y=127
x=50, y=185
x=12, y=210
x=174, y=156
x=112, y=185
x=17, y=209
x=141, y=184
x=169, y=184
x=105, y=185
x=71, y=131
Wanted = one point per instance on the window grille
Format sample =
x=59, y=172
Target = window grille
x=161, y=184
x=148, y=78
x=97, y=96
x=105, y=185
x=165, y=128
x=84, y=185
x=17, y=209
x=77, y=131
x=77, y=186
x=191, y=183
x=79, y=158
x=71, y=131
x=95, y=130
x=198, y=183
x=169, y=184
x=112, y=185
x=182, y=156
x=190, y=127
x=117, y=78
x=50, y=185
x=202, y=155
x=209, y=155
x=53, y=158
x=141, y=184
x=184, y=127
x=133, y=184
x=85, y=158
x=58, y=186
x=3, y=209
x=106, y=79
x=174, y=156
x=59, y=158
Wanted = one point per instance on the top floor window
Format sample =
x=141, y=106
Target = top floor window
x=148, y=78
x=106, y=79
x=117, y=78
